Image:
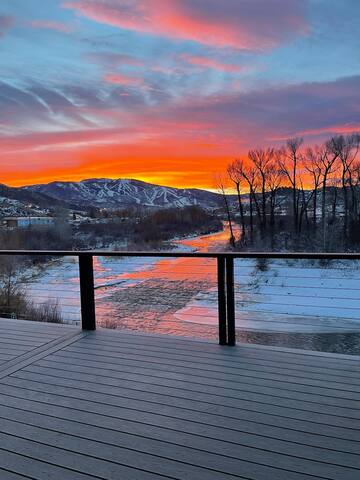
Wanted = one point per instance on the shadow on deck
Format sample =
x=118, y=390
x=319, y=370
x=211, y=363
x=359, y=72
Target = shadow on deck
x=115, y=405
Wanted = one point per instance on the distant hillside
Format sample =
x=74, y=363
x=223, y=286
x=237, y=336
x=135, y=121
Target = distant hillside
x=108, y=193
x=20, y=201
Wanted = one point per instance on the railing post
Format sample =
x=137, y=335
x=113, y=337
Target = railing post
x=87, y=292
x=230, y=301
x=221, y=300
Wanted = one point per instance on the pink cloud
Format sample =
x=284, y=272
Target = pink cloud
x=125, y=80
x=51, y=25
x=205, y=62
x=6, y=22
x=244, y=24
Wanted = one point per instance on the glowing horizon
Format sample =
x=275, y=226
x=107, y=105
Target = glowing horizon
x=169, y=92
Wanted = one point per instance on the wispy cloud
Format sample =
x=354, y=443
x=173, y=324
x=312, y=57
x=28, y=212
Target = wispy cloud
x=207, y=62
x=121, y=79
x=114, y=59
x=242, y=24
x=51, y=25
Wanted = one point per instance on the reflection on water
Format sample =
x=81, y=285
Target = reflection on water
x=179, y=296
x=209, y=243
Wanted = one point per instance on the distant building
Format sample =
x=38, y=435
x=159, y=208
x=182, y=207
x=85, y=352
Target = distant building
x=23, y=222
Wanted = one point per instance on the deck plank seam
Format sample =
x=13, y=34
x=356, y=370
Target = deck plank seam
x=70, y=469
x=117, y=378
x=235, y=353
x=183, y=419
x=42, y=382
x=179, y=461
x=27, y=370
x=229, y=365
x=38, y=353
x=155, y=440
x=15, y=474
x=186, y=341
x=197, y=435
x=65, y=353
x=238, y=382
x=94, y=457
x=187, y=409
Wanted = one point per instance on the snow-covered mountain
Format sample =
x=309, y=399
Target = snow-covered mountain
x=108, y=193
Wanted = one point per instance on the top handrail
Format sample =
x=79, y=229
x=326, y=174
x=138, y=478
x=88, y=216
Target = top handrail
x=177, y=254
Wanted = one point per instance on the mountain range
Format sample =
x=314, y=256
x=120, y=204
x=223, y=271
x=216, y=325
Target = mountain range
x=101, y=193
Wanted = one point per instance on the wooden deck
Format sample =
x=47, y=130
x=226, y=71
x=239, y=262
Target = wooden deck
x=121, y=406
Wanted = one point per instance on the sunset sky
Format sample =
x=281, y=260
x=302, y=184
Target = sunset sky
x=169, y=91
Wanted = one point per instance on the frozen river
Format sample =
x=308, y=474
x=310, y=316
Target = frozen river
x=127, y=286
x=275, y=300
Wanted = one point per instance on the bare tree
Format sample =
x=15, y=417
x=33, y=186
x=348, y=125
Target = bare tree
x=274, y=179
x=9, y=282
x=354, y=141
x=250, y=175
x=290, y=165
x=327, y=160
x=334, y=184
x=221, y=187
x=305, y=198
x=330, y=168
x=346, y=148
x=262, y=160
x=235, y=172
x=356, y=177
x=313, y=166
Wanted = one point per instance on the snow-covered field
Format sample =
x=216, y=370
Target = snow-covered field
x=288, y=296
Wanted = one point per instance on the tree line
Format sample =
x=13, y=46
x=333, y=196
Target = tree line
x=321, y=186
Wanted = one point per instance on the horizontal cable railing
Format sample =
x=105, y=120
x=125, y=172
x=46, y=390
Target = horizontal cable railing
x=236, y=288
x=177, y=254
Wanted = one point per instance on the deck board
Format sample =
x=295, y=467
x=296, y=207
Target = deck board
x=243, y=398
x=206, y=404
x=116, y=405
x=209, y=363
x=317, y=388
x=104, y=359
x=20, y=338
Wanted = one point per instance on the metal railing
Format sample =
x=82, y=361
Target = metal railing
x=225, y=278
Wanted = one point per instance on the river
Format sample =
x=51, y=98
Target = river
x=142, y=294
x=298, y=304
